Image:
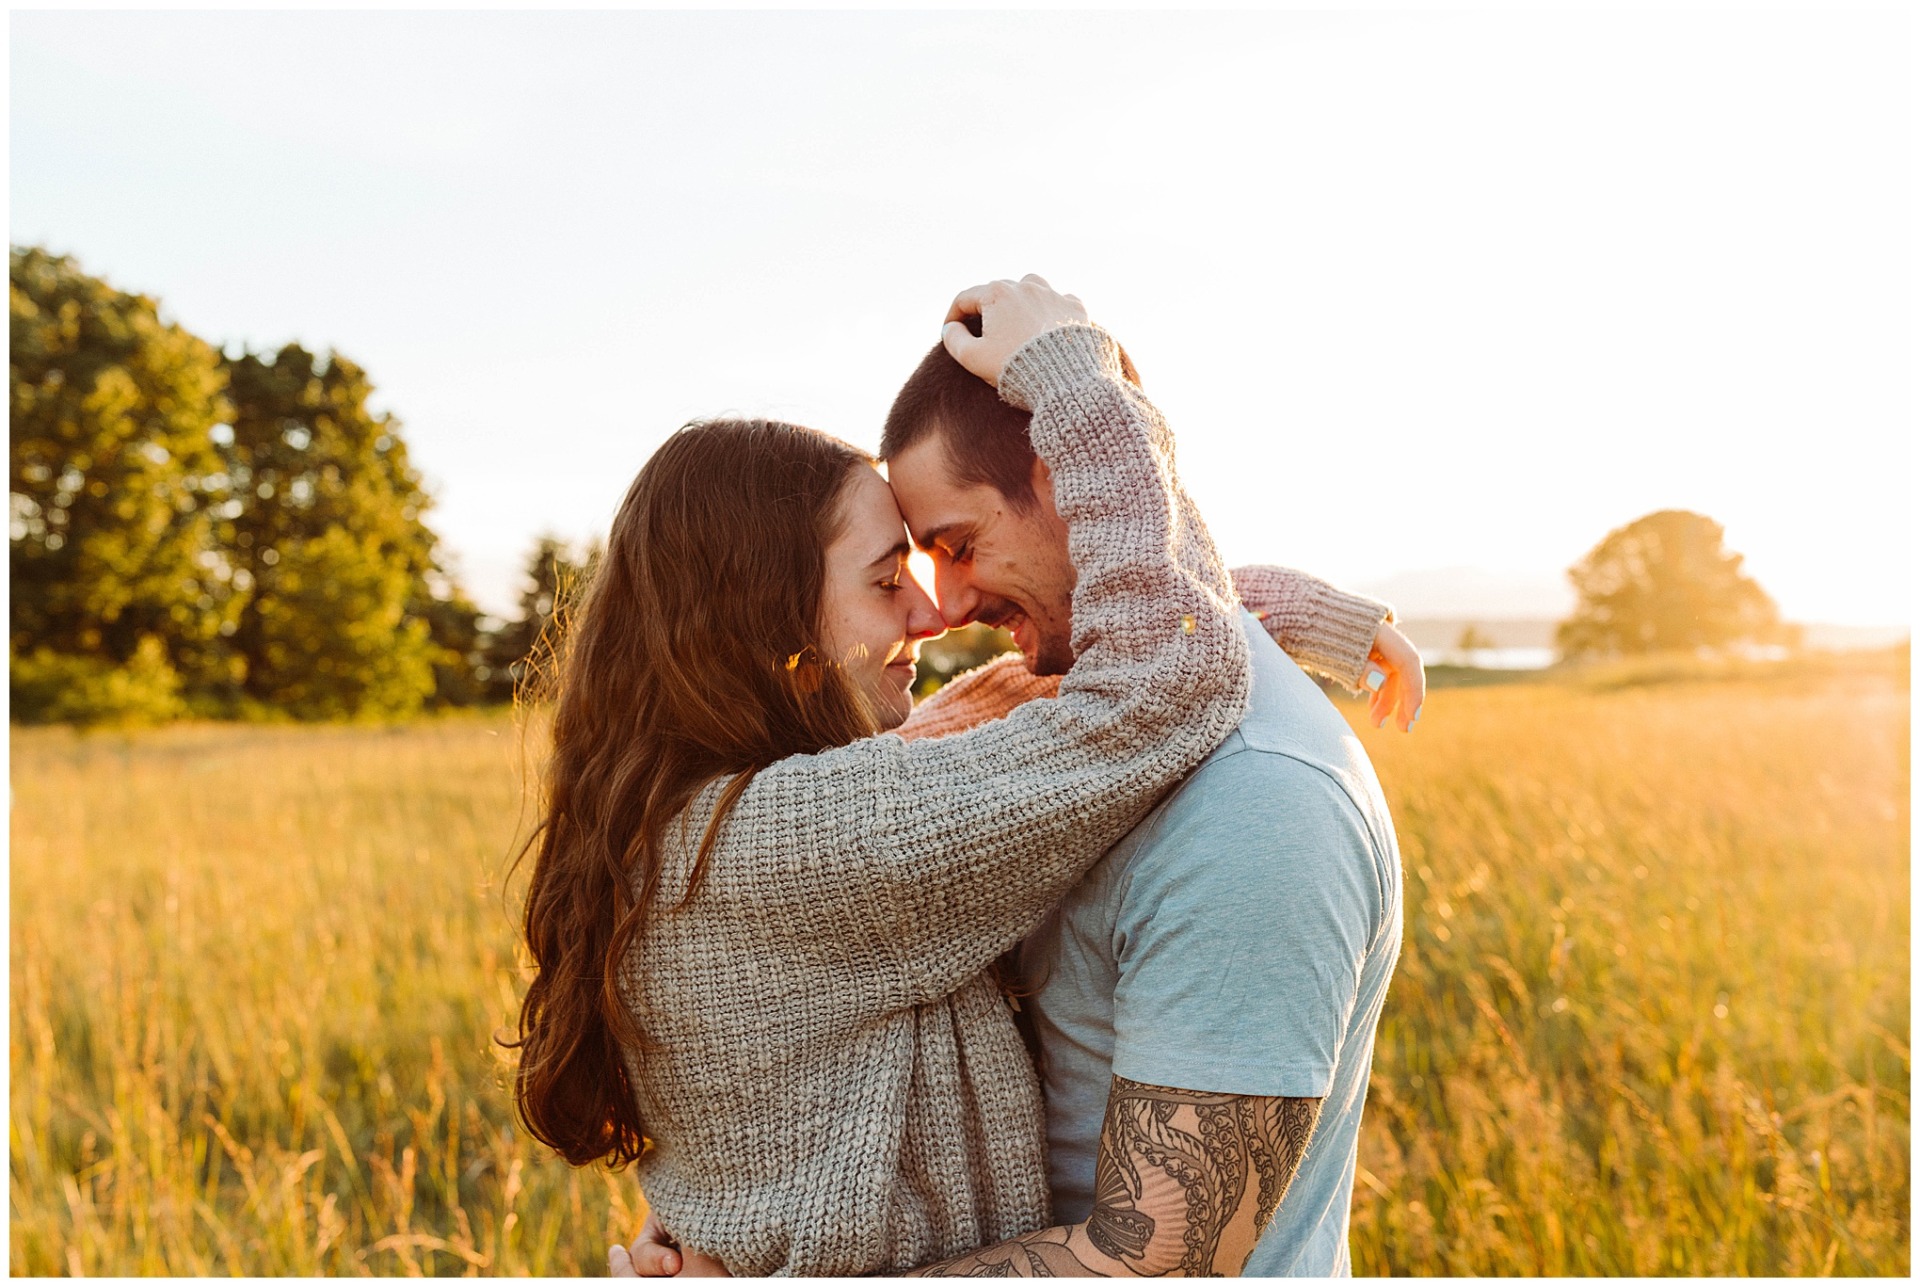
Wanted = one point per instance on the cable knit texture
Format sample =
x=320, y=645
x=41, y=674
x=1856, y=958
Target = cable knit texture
x=837, y=1086
x=1327, y=630
x=1322, y=627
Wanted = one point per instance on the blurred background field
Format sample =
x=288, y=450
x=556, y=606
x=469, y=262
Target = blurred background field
x=1652, y=1015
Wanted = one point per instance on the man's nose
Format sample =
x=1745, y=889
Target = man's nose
x=958, y=599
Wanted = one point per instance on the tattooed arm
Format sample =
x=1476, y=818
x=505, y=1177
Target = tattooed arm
x=1185, y=1183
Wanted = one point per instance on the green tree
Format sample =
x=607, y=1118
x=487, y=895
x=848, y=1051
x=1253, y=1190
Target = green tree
x=554, y=578
x=457, y=629
x=1664, y=582
x=327, y=533
x=189, y=533
x=114, y=487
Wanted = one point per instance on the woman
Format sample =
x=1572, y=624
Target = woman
x=764, y=935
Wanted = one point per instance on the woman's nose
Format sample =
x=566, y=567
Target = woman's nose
x=923, y=619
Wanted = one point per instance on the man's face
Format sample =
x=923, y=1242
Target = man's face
x=992, y=562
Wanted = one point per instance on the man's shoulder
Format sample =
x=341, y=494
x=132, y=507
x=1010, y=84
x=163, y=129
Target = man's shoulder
x=1292, y=755
x=1288, y=713
x=1289, y=793
x=1246, y=802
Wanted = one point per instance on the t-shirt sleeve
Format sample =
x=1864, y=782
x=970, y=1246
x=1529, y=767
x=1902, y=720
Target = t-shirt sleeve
x=1242, y=930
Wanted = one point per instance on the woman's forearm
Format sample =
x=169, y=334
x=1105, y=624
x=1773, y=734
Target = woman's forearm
x=1324, y=628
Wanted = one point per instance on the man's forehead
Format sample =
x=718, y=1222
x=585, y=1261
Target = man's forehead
x=923, y=484
x=923, y=464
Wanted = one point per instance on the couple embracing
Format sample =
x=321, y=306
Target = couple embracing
x=1072, y=969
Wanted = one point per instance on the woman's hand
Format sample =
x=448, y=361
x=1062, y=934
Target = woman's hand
x=1011, y=314
x=1397, y=678
x=654, y=1254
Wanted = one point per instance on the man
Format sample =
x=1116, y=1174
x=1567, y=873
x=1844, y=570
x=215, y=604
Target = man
x=1204, y=1002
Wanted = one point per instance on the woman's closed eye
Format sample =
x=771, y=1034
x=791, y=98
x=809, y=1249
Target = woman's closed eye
x=896, y=581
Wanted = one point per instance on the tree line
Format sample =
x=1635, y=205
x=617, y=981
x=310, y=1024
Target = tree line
x=198, y=534
x=193, y=533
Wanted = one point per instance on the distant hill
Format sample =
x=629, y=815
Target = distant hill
x=1518, y=610
x=1474, y=594
x=1436, y=634
x=1441, y=634
x=1848, y=638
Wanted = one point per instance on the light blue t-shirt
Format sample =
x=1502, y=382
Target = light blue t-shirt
x=1239, y=940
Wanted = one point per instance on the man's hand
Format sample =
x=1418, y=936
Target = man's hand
x=1011, y=314
x=1397, y=678
x=654, y=1254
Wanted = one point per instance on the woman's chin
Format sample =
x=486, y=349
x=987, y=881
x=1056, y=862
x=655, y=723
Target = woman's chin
x=890, y=699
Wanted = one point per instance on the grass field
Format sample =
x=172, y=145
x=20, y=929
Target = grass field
x=1651, y=1017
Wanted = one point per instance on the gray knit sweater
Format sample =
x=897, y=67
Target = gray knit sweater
x=838, y=1087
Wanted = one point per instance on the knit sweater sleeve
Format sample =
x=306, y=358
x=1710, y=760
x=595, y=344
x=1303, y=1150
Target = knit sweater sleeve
x=1326, y=629
x=1320, y=626
x=927, y=858
x=979, y=696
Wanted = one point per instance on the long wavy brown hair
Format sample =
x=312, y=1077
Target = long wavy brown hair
x=693, y=656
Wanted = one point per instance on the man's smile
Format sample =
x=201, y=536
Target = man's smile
x=1000, y=614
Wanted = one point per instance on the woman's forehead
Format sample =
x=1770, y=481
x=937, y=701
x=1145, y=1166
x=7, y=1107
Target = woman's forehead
x=870, y=522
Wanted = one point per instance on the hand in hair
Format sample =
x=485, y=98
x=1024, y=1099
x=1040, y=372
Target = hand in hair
x=1011, y=314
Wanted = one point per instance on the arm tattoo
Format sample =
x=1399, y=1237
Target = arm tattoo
x=1047, y=1254
x=1214, y=1148
x=1181, y=1164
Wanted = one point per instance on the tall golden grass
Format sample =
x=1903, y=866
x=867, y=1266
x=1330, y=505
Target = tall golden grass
x=1652, y=1014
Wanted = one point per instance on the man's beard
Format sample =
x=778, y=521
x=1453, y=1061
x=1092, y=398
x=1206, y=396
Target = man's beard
x=1051, y=657
x=1048, y=655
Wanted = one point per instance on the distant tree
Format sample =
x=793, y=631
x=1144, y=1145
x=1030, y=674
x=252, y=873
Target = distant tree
x=1473, y=639
x=458, y=631
x=327, y=532
x=119, y=598
x=554, y=578
x=1664, y=582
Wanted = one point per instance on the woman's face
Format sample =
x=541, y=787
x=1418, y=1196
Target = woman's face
x=873, y=614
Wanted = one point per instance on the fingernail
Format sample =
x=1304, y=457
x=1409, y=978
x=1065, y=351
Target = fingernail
x=1375, y=678
x=1416, y=712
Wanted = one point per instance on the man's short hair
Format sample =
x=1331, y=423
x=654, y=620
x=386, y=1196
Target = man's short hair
x=986, y=439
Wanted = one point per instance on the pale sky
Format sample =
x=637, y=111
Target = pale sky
x=1416, y=291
